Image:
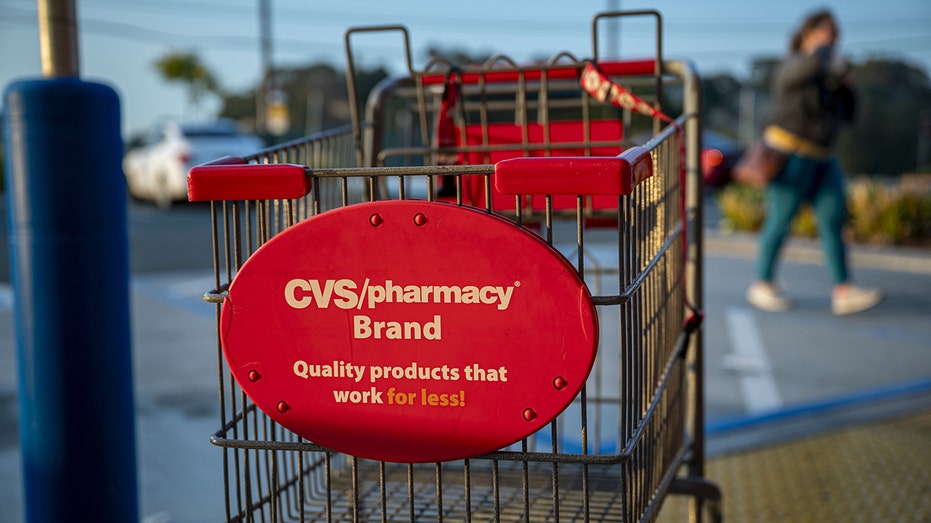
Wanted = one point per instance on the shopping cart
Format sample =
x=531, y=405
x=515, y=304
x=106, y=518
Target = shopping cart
x=534, y=146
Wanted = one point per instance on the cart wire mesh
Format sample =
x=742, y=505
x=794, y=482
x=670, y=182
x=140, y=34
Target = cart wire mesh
x=634, y=432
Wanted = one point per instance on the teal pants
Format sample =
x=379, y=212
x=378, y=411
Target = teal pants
x=820, y=182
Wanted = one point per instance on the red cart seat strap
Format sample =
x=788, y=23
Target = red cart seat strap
x=446, y=135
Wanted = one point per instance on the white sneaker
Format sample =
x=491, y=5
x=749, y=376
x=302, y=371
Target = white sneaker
x=766, y=296
x=850, y=299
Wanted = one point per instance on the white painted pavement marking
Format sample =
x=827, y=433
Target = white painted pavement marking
x=182, y=288
x=750, y=361
x=192, y=286
x=6, y=297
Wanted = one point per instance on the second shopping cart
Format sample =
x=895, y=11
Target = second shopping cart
x=478, y=303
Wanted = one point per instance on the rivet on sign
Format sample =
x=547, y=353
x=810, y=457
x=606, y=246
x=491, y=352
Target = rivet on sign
x=254, y=376
x=560, y=383
x=420, y=219
x=375, y=220
x=283, y=407
x=530, y=414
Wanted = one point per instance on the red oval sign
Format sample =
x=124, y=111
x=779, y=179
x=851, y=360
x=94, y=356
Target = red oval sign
x=409, y=331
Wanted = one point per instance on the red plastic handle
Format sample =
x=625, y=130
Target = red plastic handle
x=616, y=175
x=558, y=71
x=231, y=178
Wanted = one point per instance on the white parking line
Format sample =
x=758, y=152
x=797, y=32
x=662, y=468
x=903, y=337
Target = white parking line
x=750, y=361
x=192, y=286
x=6, y=297
x=182, y=289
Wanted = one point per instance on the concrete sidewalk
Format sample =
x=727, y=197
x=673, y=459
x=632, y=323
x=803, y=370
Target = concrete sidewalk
x=875, y=470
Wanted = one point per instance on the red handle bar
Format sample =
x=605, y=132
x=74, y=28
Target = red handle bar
x=616, y=175
x=231, y=178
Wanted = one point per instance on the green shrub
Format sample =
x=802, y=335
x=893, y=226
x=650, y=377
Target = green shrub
x=741, y=208
x=896, y=212
x=805, y=223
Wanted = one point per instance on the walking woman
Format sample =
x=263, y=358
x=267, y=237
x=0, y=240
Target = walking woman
x=811, y=100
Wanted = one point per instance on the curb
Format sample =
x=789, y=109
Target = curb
x=803, y=250
x=857, y=409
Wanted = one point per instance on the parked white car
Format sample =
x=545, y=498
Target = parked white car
x=156, y=165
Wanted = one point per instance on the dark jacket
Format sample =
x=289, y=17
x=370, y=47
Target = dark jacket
x=809, y=100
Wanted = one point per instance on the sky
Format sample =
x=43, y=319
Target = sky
x=119, y=40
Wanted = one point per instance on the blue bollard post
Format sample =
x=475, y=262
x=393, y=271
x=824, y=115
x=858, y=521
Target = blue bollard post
x=70, y=273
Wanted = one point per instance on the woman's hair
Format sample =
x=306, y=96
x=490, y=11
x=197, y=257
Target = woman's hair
x=811, y=21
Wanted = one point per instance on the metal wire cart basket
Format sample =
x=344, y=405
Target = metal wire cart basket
x=548, y=151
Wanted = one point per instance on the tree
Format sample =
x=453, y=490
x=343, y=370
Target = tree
x=457, y=56
x=720, y=100
x=883, y=139
x=317, y=93
x=892, y=99
x=186, y=68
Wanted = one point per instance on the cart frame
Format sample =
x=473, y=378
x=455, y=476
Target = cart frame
x=274, y=475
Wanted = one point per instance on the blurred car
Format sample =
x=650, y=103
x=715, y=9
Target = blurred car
x=719, y=154
x=156, y=165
